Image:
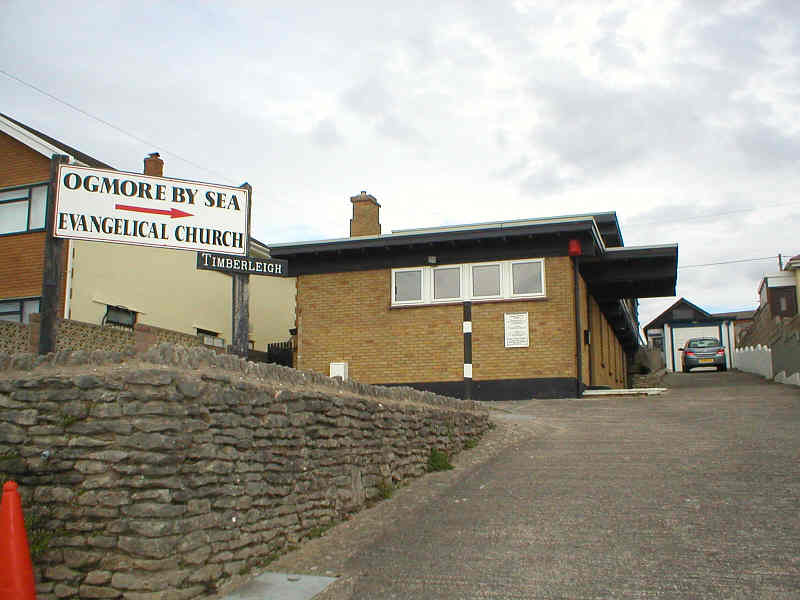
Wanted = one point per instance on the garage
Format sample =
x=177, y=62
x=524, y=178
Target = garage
x=684, y=321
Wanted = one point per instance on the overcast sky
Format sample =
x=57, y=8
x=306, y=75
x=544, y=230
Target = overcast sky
x=680, y=116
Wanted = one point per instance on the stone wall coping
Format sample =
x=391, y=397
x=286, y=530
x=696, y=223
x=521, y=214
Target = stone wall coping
x=187, y=359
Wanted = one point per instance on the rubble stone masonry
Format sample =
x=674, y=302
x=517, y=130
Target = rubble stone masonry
x=169, y=475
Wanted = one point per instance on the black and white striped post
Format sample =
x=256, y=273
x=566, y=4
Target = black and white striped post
x=467, y=350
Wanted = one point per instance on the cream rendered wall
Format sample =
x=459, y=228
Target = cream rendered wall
x=166, y=289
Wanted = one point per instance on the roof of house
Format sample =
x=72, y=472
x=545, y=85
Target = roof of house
x=632, y=272
x=701, y=315
x=44, y=144
x=611, y=271
x=666, y=315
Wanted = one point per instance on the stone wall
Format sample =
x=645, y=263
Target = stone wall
x=14, y=337
x=172, y=474
x=77, y=335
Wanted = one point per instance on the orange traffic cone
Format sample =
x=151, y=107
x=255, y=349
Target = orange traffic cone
x=16, y=569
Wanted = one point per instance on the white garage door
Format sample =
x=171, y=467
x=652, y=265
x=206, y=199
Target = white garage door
x=680, y=335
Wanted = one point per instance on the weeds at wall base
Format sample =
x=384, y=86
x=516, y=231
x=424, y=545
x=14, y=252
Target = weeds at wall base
x=438, y=461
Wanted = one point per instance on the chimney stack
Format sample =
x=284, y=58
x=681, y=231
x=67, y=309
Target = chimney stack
x=153, y=165
x=366, y=218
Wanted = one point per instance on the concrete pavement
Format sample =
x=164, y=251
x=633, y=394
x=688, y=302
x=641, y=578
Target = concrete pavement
x=692, y=494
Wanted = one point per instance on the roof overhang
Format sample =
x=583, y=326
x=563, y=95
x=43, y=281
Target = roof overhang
x=463, y=234
x=46, y=145
x=633, y=272
x=33, y=142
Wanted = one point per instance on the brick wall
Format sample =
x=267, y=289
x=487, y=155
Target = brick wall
x=347, y=317
x=552, y=332
x=179, y=473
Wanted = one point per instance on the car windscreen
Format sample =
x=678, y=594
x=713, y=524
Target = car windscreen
x=704, y=343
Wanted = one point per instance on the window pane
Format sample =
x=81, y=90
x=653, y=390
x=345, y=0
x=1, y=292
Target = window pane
x=38, y=206
x=120, y=316
x=14, y=194
x=447, y=283
x=527, y=278
x=486, y=280
x=13, y=217
x=408, y=286
x=14, y=317
x=30, y=306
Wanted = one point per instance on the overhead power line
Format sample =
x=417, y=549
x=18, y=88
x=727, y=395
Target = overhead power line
x=712, y=215
x=730, y=262
x=160, y=147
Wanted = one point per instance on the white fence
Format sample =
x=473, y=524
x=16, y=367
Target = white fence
x=755, y=359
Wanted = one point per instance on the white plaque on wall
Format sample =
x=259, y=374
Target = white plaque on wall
x=516, y=330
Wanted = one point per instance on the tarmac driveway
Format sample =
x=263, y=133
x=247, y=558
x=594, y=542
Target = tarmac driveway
x=693, y=494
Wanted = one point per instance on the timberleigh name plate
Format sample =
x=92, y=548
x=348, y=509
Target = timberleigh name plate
x=225, y=263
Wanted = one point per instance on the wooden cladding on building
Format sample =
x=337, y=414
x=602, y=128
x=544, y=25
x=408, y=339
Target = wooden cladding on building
x=20, y=165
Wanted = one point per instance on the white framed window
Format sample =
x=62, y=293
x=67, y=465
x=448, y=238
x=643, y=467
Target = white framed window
x=485, y=280
x=447, y=283
x=527, y=278
x=23, y=209
x=408, y=286
x=499, y=280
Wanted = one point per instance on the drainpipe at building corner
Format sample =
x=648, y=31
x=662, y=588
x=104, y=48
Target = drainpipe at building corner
x=574, y=250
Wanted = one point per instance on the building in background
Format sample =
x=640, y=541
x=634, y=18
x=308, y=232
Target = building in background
x=505, y=310
x=777, y=314
x=684, y=320
x=116, y=284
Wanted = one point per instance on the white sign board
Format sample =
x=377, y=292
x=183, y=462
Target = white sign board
x=516, y=325
x=128, y=208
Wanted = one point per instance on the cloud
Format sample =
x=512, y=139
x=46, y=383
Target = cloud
x=369, y=98
x=325, y=133
x=513, y=169
x=766, y=147
x=598, y=129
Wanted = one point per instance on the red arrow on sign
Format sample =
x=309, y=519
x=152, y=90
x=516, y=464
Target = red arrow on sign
x=173, y=213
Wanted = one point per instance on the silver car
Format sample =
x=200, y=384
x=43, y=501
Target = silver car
x=703, y=352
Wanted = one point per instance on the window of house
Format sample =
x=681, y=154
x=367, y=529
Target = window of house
x=470, y=281
x=119, y=316
x=23, y=209
x=407, y=286
x=485, y=281
x=212, y=338
x=18, y=311
x=526, y=278
x=447, y=283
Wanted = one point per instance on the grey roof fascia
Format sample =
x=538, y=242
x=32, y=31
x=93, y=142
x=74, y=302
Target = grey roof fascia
x=465, y=233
